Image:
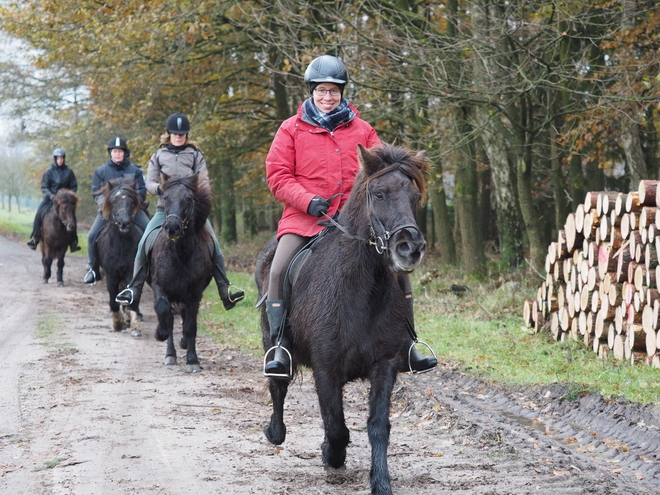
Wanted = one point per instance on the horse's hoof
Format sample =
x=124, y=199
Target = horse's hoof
x=60, y=284
x=193, y=368
x=170, y=360
x=45, y=280
x=136, y=332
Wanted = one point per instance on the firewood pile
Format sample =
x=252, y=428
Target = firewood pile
x=602, y=277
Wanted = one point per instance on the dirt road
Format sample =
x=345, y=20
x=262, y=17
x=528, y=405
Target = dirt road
x=84, y=410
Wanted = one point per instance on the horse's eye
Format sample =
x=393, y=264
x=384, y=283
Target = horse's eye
x=379, y=196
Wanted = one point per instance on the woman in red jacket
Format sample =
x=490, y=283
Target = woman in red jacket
x=313, y=157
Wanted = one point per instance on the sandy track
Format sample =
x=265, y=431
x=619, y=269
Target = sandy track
x=84, y=410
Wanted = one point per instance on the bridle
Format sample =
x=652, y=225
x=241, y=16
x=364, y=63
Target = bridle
x=379, y=235
x=182, y=222
x=123, y=209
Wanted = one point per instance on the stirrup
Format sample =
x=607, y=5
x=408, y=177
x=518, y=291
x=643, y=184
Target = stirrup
x=125, y=302
x=239, y=295
x=410, y=349
x=90, y=271
x=278, y=375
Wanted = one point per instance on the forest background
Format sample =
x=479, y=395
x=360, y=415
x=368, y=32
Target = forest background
x=522, y=106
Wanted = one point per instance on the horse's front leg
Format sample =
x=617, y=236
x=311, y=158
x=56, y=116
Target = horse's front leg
x=112, y=285
x=378, y=427
x=337, y=435
x=46, y=261
x=188, y=340
x=165, y=329
x=275, y=431
x=60, y=271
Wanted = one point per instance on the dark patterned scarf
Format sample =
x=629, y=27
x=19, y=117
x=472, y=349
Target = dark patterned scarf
x=329, y=121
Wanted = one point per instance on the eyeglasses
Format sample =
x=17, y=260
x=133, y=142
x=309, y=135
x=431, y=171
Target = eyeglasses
x=323, y=92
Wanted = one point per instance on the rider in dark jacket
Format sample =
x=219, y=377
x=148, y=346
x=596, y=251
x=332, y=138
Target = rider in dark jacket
x=57, y=176
x=117, y=166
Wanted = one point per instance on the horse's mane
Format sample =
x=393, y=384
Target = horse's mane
x=121, y=183
x=201, y=189
x=66, y=196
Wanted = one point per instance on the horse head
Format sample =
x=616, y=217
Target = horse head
x=121, y=203
x=187, y=204
x=391, y=184
x=64, y=203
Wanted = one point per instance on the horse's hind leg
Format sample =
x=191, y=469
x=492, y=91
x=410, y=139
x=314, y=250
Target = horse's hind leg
x=60, y=271
x=378, y=428
x=275, y=431
x=165, y=328
x=337, y=435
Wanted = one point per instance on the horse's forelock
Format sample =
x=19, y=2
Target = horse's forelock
x=200, y=187
x=66, y=196
x=414, y=166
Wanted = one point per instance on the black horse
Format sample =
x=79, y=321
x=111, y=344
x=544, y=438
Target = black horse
x=58, y=231
x=181, y=263
x=347, y=318
x=117, y=244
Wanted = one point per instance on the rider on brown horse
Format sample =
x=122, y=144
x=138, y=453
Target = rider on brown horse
x=58, y=176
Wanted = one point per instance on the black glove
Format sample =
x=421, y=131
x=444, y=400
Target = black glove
x=318, y=206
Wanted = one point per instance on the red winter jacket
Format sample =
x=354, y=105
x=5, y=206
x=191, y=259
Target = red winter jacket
x=306, y=160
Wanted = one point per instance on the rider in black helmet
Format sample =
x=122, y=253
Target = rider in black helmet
x=118, y=165
x=58, y=176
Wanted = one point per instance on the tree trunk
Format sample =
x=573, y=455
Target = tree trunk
x=632, y=147
x=466, y=199
x=441, y=219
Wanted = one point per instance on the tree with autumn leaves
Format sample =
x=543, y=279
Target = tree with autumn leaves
x=522, y=106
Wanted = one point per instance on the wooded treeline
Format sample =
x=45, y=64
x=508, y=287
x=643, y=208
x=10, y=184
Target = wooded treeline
x=522, y=106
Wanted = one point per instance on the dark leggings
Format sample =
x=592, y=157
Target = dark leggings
x=39, y=218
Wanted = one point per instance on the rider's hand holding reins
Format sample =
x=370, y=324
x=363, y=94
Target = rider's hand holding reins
x=318, y=206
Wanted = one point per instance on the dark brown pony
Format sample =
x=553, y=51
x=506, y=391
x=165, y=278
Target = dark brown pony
x=346, y=317
x=181, y=265
x=117, y=244
x=58, y=231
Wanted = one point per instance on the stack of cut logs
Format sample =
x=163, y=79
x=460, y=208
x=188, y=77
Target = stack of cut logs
x=602, y=277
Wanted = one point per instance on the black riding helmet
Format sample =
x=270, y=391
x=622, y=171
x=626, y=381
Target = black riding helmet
x=59, y=152
x=118, y=142
x=177, y=123
x=326, y=68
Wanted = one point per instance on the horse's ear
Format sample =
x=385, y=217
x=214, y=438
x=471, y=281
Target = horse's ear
x=421, y=155
x=164, y=177
x=370, y=162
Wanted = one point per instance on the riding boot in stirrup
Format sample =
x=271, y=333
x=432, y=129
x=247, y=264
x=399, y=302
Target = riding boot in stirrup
x=229, y=299
x=280, y=366
x=413, y=361
x=92, y=276
x=132, y=294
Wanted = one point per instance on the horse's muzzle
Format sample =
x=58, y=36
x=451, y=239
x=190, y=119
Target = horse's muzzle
x=408, y=247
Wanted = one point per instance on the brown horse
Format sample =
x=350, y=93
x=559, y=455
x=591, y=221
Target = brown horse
x=347, y=319
x=58, y=231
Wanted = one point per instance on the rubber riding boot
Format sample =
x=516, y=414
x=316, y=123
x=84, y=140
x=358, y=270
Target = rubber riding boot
x=32, y=243
x=92, y=276
x=413, y=360
x=132, y=294
x=74, y=245
x=280, y=365
x=229, y=299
